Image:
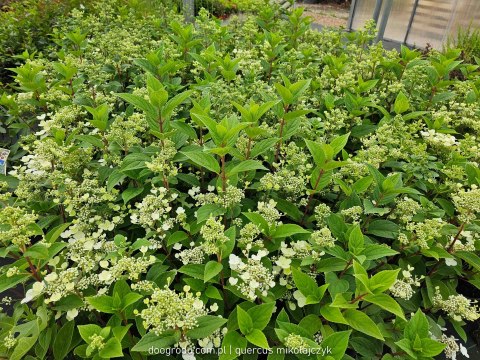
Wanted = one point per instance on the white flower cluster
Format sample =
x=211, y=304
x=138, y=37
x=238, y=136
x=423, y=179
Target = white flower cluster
x=457, y=307
x=251, y=277
x=213, y=235
x=153, y=213
x=296, y=342
x=404, y=288
x=467, y=203
x=465, y=242
x=167, y=309
x=227, y=199
x=248, y=237
x=268, y=211
x=162, y=162
x=323, y=238
x=439, y=139
x=452, y=347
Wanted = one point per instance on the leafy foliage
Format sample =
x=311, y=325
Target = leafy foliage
x=234, y=187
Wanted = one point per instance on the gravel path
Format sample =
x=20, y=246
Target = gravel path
x=329, y=15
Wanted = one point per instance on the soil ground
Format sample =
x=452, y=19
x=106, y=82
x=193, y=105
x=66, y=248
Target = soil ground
x=329, y=15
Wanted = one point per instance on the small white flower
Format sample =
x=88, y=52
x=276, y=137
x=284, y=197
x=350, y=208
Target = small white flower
x=105, y=276
x=254, y=284
x=464, y=352
x=234, y=261
x=51, y=277
x=450, y=262
x=233, y=281
x=198, y=304
x=283, y=262
x=166, y=226
x=88, y=245
x=71, y=314
x=301, y=299
x=55, y=297
x=214, y=307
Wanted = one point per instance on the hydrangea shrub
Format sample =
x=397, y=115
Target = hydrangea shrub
x=238, y=190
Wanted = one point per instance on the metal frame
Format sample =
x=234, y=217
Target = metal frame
x=376, y=10
x=350, y=16
x=383, y=23
x=410, y=21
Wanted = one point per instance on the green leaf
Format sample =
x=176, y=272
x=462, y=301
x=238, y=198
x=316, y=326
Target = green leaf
x=356, y=241
x=245, y=322
x=211, y=270
x=337, y=343
x=138, y=102
x=286, y=230
x=246, y=165
x=304, y=283
x=130, y=193
x=401, y=103
x=206, y=326
x=261, y=315
x=258, y=220
x=431, y=348
x=9, y=282
x=317, y=152
x=162, y=341
x=102, y=303
x=332, y=314
x=86, y=331
x=37, y=251
x=363, y=323
x=174, y=102
x=55, y=233
x=112, y=349
x=114, y=178
x=213, y=293
x=387, y=303
x=63, y=339
x=263, y=146
x=375, y=251
x=134, y=161
x=285, y=94
x=23, y=346
x=339, y=143
x=69, y=302
x=470, y=258
x=206, y=211
x=91, y=139
x=194, y=270
x=129, y=299
x=383, y=280
x=233, y=342
x=258, y=338
x=203, y=159
x=383, y=228
x=418, y=325
x=176, y=237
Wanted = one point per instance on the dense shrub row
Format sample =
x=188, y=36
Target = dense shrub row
x=257, y=187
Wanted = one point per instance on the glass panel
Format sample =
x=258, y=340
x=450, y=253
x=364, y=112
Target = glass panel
x=363, y=12
x=398, y=20
x=431, y=21
x=466, y=14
